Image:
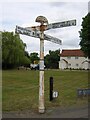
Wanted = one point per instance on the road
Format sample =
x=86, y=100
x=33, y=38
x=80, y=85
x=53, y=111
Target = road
x=57, y=112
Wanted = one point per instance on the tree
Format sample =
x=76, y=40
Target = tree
x=52, y=59
x=34, y=57
x=27, y=59
x=13, y=50
x=85, y=35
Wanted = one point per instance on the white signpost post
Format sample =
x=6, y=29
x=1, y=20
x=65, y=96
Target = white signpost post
x=38, y=32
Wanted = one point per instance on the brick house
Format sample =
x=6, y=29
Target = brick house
x=73, y=59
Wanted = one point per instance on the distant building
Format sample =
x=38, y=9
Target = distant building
x=73, y=59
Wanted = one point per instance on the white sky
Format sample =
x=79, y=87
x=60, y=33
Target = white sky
x=24, y=13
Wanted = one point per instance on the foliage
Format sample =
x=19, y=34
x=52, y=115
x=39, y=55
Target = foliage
x=34, y=57
x=85, y=35
x=14, y=54
x=52, y=59
x=13, y=50
x=27, y=60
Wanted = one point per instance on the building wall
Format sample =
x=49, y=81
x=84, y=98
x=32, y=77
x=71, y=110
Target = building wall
x=74, y=62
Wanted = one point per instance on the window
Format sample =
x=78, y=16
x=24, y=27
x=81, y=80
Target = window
x=76, y=57
x=69, y=64
x=68, y=57
x=77, y=65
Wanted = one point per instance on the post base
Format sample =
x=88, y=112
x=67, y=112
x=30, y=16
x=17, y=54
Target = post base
x=41, y=110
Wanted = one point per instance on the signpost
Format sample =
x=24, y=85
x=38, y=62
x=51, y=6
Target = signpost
x=38, y=32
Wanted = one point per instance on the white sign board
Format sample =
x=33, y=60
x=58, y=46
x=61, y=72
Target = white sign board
x=25, y=31
x=61, y=24
x=55, y=94
x=52, y=39
x=41, y=65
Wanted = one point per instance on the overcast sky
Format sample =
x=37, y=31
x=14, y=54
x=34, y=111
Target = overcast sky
x=24, y=14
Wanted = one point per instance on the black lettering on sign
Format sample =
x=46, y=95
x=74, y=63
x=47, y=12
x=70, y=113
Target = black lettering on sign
x=83, y=92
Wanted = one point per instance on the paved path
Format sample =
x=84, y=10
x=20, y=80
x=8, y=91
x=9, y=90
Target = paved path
x=71, y=112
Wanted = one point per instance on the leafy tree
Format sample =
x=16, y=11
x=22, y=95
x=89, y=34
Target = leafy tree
x=52, y=59
x=85, y=35
x=34, y=57
x=13, y=50
x=27, y=59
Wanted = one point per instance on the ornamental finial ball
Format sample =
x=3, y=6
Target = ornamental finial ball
x=41, y=19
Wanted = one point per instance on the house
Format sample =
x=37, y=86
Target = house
x=73, y=59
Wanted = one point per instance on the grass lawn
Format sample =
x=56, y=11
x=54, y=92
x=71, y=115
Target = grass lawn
x=20, y=88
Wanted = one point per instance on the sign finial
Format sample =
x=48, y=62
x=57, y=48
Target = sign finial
x=41, y=19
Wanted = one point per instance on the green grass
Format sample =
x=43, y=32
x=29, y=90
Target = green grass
x=20, y=88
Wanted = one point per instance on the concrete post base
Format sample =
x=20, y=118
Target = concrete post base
x=41, y=110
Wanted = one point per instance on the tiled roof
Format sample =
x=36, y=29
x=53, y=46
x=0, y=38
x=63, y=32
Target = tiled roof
x=75, y=52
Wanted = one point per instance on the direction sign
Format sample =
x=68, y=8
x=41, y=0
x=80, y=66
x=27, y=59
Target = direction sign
x=52, y=39
x=61, y=24
x=36, y=34
x=24, y=31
